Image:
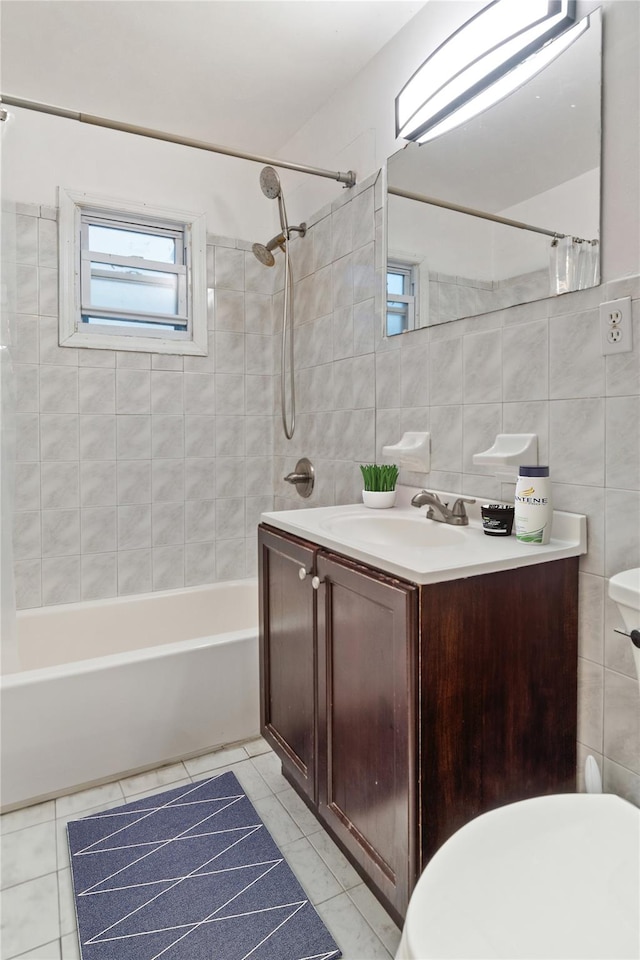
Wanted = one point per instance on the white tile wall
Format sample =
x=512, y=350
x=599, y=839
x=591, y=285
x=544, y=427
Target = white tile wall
x=132, y=468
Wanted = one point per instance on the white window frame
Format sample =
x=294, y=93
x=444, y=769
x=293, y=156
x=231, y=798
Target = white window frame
x=408, y=269
x=76, y=211
x=400, y=260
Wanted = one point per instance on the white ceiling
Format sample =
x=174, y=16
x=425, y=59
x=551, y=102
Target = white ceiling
x=244, y=73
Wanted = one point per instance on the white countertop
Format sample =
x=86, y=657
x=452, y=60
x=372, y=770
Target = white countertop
x=470, y=554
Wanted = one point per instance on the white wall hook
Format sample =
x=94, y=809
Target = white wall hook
x=413, y=452
x=508, y=452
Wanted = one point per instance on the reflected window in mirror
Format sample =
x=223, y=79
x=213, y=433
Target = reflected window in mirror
x=402, y=297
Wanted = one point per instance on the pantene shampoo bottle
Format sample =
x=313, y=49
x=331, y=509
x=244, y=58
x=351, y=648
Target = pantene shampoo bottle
x=533, y=508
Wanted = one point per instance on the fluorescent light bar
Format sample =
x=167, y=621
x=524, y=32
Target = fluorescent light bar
x=480, y=54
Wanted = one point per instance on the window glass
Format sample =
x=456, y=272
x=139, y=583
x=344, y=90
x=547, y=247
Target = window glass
x=132, y=243
x=395, y=282
x=140, y=291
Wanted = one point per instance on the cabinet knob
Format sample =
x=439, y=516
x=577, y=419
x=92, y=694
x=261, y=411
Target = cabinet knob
x=315, y=583
x=302, y=573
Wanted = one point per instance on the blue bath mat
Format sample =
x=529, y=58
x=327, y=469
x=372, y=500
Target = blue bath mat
x=189, y=874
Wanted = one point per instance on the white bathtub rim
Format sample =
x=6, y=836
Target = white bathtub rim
x=73, y=668
x=80, y=605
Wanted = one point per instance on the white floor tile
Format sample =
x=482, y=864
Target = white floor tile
x=163, y=777
x=277, y=820
x=94, y=797
x=376, y=916
x=27, y=816
x=30, y=915
x=70, y=948
x=270, y=769
x=28, y=853
x=49, y=951
x=351, y=931
x=255, y=747
x=250, y=780
x=335, y=860
x=299, y=811
x=317, y=880
x=211, y=761
x=152, y=791
x=66, y=902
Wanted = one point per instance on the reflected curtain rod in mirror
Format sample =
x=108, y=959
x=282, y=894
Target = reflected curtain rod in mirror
x=505, y=221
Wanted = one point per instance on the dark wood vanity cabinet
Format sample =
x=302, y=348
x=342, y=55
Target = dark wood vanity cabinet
x=402, y=711
x=288, y=656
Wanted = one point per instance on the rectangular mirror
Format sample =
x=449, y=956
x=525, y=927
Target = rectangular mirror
x=532, y=158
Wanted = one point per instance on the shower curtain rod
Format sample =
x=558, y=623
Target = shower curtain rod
x=480, y=213
x=348, y=178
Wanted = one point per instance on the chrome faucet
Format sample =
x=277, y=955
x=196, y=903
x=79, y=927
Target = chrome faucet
x=440, y=511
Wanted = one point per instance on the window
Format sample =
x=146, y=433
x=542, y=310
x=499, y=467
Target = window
x=131, y=277
x=402, y=297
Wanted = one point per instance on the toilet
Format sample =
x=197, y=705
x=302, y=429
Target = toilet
x=549, y=878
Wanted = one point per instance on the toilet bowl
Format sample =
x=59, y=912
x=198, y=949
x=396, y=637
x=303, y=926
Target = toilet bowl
x=553, y=877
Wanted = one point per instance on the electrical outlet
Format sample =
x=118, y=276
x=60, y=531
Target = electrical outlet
x=615, y=326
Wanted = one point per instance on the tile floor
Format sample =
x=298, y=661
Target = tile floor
x=38, y=917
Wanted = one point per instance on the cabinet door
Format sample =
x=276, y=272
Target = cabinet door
x=288, y=654
x=367, y=676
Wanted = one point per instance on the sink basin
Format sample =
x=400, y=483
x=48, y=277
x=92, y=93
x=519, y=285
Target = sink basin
x=389, y=530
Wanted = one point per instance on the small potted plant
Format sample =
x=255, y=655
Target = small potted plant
x=379, y=485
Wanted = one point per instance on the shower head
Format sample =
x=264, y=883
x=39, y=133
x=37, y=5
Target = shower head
x=263, y=252
x=270, y=183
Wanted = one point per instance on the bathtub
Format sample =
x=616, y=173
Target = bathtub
x=112, y=687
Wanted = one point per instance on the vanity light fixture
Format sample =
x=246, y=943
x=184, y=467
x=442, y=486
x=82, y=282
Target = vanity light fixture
x=486, y=59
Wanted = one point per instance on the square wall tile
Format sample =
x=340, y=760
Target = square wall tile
x=98, y=483
x=167, y=524
x=97, y=390
x=576, y=447
x=622, y=437
x=168, y=567
x=60, y=533
x=134, y=572
x=98, y=529
x=133, y=391
x=576, y=363
x=134, y=527
x=525, y=361
x=99, y=576
x=60, y=485
x=167, y=437
x=622, y=720
x=59, y=438
x=27, y=486
x=200, y=563
x=58, y=389
x=482, y=367
x=98, y=437
x=60, y=580
x=134, y=481
x=133, y=437
x=168, y=480
x=28, y=583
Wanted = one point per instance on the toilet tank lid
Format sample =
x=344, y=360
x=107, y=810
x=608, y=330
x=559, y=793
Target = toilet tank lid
x=624, y=588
